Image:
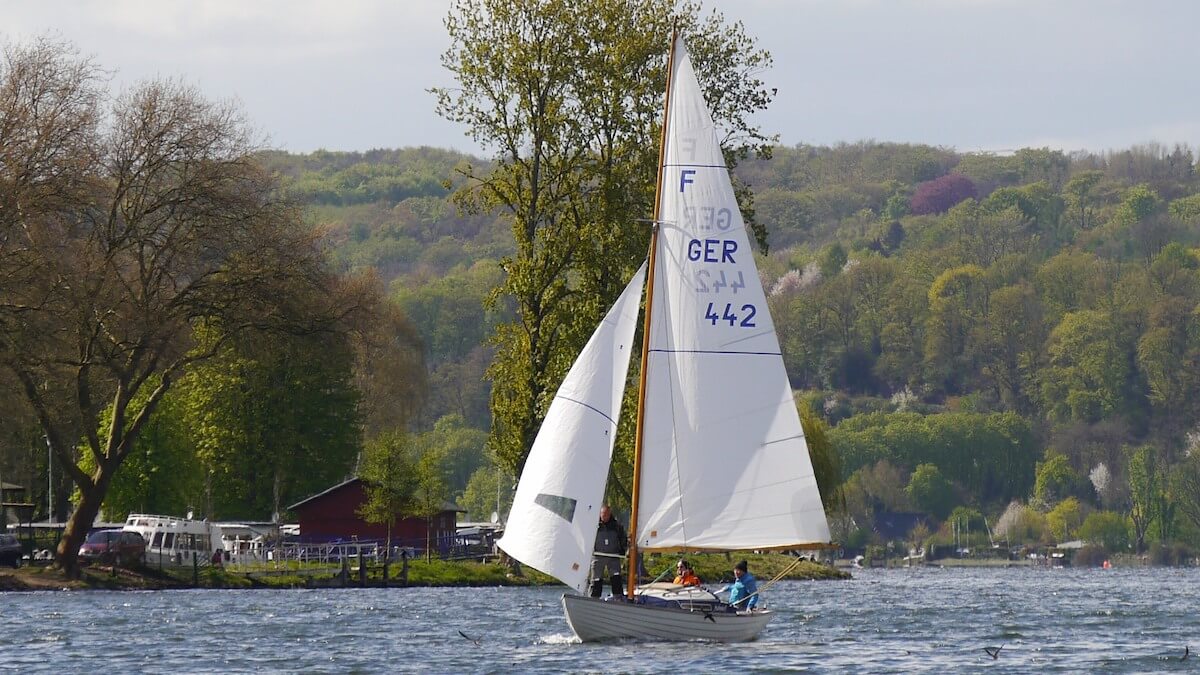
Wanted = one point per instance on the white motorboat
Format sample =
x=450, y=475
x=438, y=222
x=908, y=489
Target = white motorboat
x=175, y=541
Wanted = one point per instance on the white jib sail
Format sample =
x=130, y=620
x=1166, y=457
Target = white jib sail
x=724, y=462
x=552, y=525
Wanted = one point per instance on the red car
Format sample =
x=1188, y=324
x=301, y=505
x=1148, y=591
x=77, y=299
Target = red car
x=113, y=546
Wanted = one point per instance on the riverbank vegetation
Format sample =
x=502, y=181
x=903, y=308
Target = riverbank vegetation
x=993, y=352
x=712, y=568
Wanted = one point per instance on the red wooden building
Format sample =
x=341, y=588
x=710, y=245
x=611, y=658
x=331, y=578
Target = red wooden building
x=333, y=514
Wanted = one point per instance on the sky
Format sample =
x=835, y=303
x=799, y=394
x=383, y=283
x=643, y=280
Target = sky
x=973, y=75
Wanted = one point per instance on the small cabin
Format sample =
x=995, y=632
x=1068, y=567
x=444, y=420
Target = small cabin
x=15, y=509
x=333, y=515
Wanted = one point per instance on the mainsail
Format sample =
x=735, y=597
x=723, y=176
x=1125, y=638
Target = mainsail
x=724, y=464
x=552, y=525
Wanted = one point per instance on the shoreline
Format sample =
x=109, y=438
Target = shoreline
x=420, y=574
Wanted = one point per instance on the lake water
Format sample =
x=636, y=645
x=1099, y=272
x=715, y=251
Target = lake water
x=1121, y=620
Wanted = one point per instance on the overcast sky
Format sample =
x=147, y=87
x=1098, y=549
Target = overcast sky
x=968, y=74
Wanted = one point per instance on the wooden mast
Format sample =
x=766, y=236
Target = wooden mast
x=641, y=409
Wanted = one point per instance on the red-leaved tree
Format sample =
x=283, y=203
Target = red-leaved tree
x=939, y=194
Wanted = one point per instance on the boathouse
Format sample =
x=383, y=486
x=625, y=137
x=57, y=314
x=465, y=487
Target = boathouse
x=332, y=515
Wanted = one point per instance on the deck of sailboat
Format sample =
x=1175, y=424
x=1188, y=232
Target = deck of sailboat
x=593, y=619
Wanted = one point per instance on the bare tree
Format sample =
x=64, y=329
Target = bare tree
x=132, y=230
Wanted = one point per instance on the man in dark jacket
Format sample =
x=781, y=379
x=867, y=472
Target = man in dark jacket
x=610, y=548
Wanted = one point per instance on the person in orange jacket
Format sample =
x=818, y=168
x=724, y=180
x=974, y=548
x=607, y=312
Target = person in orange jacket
x=685, y=575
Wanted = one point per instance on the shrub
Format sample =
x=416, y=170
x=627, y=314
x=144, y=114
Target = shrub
x=1173, y=555
x=1090, y=556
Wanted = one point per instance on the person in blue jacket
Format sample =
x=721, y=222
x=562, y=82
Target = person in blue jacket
x=743, y=592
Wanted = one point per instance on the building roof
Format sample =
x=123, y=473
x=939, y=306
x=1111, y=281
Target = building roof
x=446, y=506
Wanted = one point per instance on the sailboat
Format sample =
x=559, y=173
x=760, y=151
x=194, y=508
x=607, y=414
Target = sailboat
x=720, y=458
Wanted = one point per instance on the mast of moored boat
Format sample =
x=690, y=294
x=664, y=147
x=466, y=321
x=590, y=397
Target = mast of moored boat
x=650, y=271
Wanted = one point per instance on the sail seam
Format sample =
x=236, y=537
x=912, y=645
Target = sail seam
x=698, y=166
x=713, y=351
x=589, y=407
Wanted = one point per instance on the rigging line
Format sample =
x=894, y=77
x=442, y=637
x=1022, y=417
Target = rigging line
x=589, y=407
x=779, y=576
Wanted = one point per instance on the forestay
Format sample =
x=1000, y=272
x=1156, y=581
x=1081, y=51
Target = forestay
x=724, y=462
x=552, y=525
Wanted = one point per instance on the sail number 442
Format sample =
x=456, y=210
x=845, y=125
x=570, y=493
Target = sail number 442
x=743, y=318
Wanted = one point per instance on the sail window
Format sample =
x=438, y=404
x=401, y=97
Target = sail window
x=563, y=507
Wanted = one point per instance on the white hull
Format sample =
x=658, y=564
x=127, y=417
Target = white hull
x=594, y=619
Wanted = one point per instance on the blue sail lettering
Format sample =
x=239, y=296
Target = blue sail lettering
x=712, y=250
x=685, y=177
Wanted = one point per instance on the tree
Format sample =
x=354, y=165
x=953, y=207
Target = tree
x=489, y=491
x=930, y=491
x=390, y=480
x=272, y=421
x=1145, y=491
x=1065, y=518
x=1079, y=195
x=827, y=466
x=1107, y=529
x=568, y=98
x=1056, y=480
x=124, y=240
x=939, y=194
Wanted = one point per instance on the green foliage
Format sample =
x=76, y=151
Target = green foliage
x=453, y=450
x=272, y=423
x=567, y=98
x=1065, y=519
x=1139, y=203
x=161, y=474
x=990, y=455
x=832, y=260
x=1055, y=479
x=488, y=491
x=1107, y=529
x=390, y=479
x=827, y=466
x=930, y=491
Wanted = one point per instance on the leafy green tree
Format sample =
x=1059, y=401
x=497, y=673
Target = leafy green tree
x=1065, y=518
x=273, y=422
x=489, y=491
x=1079, y=192
x=930, y=491
x=833, y=259
x=1011, y=342
x=1056, y=480
x=567, y=97
x=1148, y=500
x=390, y=479
x=454, y=450
x=827, y=466
x=1185, y=487
x=1086, y=375
x=162, y=474
x=1139, y=203
x=1107, y=529
x=957, y=304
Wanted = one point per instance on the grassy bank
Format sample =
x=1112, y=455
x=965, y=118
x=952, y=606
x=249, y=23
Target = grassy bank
x=712, y=568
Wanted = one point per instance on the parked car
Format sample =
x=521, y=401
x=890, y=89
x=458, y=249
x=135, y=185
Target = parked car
x=10, y=550
x=113, y=546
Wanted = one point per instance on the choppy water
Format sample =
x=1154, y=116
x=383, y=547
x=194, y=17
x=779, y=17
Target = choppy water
x=1123, y=620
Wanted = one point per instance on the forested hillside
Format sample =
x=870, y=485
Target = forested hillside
x=976, y=329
